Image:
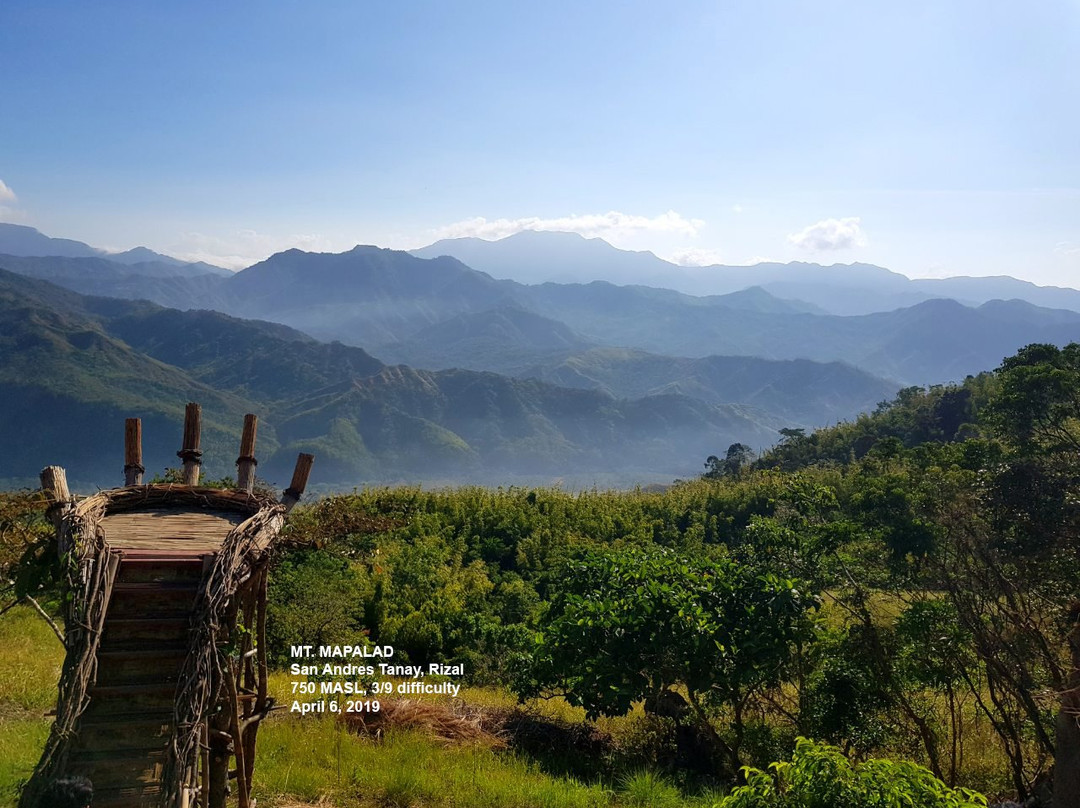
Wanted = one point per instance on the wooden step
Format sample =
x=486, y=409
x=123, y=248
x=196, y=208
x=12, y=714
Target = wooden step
x=165, y=568
x=145, y=666
x=128, y=797
x=130, y=699
x=158, y=599
x=114, y=734
x=109, y=769
x=146, y=632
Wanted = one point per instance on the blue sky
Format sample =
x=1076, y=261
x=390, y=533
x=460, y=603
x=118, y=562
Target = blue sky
x=933, y=138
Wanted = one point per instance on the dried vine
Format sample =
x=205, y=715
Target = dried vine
x=207, y=666
x=89, y=573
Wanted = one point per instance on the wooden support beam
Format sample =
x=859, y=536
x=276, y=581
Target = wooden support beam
x=246, y=462
x=54, y=484
x=292, y=494
x=243, y=784
x=133, y=465
x=190, y=453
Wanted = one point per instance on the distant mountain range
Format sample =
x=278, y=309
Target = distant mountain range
x=20, y=240
x=492, y=378
x=72, y=367
x=539, y=257
x=436, y=313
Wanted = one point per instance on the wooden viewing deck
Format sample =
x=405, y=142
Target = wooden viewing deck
x=164, y=682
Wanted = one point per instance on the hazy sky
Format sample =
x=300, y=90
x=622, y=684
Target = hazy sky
x=935, y=138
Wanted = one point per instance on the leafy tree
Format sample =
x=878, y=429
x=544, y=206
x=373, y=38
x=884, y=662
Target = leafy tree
x=627, y=625
x=1037, y=403
x=738, y=457
x=843, y=701
x=313, y=599
x=935, y=653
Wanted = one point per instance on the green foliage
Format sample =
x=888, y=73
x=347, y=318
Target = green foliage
x=628, y=624
x=737, y=457
x=844, y=701
x=313, y=599
x=916, y=416
x=28, y=563
x=647, y=789
x=820, y=776
x=1036, y=404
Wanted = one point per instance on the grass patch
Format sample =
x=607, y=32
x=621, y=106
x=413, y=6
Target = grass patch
x=648, y=789
x=30, y=660
x=311, y=758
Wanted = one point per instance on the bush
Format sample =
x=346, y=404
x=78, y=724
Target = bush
x=820, y=776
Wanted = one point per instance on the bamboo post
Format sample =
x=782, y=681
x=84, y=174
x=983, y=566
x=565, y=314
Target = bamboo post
x=190, y=453
x=238, y=742
x=54, y=484
x=246, y=462
x=133, y=465
x=292, y=494
x=217, y=780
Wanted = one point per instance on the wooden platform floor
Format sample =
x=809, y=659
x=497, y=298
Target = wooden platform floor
x=185, y=532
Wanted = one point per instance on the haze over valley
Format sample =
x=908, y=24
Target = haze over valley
x=419, y=367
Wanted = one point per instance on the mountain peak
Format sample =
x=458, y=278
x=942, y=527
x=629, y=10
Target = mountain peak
x=21, y=240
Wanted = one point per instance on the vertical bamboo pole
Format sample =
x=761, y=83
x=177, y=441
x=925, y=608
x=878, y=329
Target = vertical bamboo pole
x=246, y=462
x=54, y=484
x=190, y=453
x=260, y=637
x=292, y=494
x=133, y=465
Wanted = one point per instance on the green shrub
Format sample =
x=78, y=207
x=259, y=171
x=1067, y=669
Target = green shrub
x=820, y=776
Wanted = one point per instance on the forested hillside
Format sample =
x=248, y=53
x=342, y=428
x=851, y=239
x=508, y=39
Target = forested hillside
x=901, y=586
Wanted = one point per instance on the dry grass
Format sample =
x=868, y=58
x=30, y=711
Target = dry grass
x=455, y=722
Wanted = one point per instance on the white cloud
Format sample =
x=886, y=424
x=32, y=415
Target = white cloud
x=754, y=260
x=243, y=248
x=696, y=257
x=936, y=270
x=1067, y=248
x=736, y=208
x=830, y=234
x=9, y=210
x=608, y=224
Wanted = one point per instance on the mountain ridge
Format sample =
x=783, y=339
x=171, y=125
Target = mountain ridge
x=856, y=288
x=69, y=374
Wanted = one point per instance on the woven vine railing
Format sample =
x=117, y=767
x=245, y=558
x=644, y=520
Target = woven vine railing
x=89, y=573
x=221, y=689
x=221, y=694
x=223, y=680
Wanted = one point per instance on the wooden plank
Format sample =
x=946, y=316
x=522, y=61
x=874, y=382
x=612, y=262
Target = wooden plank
x=142, y=632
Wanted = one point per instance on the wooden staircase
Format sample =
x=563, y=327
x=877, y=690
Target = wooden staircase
x=128, y=723
x=164, y=684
